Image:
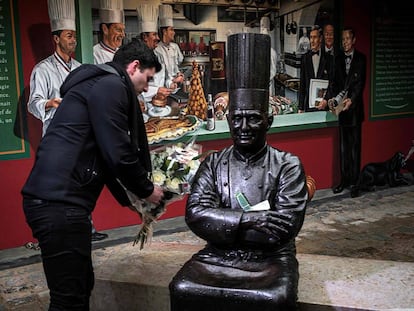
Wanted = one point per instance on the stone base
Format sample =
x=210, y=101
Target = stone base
x=130, y=279
x=134, y=279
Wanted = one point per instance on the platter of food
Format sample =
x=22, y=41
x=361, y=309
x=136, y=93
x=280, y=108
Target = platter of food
x=156, y=111
x=170, y=128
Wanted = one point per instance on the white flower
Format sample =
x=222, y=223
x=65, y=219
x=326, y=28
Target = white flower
x=158, y=177
x=173, y=169
x=193, y=164
x=173, y=184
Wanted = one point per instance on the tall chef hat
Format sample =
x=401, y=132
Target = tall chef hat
x=265, y=25
x=166, y=15
x=111, y=11
x=147, y=17
x=62, y=14
x=248, y=71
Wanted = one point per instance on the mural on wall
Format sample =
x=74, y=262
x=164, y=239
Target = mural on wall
x=392, y=66
x=304, y=41
x=12, y=142
x=194, y=42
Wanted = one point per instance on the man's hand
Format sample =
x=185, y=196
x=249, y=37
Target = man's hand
x=156, y=196
x=179, y=78
x=322, y=104
x=53, y=103
x=163, y=91
x=347, y=103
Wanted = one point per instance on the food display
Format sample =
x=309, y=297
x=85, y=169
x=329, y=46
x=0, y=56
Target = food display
x=170, y=128
x=221, y=101
x=197, y=103
x=293, y=84
x=282, y=105
x=159, y=100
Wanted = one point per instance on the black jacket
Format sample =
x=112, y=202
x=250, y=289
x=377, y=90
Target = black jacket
x=96, y=137
x=354, y=83
x=325, y=72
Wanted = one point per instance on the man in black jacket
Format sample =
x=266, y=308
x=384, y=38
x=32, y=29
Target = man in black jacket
x=315, y=64
x=97, y=137
x=347, y=90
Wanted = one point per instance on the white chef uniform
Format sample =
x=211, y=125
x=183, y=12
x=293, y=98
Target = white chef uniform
x=110, y=12
x=48, y=75
x=147, y=22
x=171, y=53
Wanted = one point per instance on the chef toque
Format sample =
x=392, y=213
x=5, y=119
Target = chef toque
x=62, y=15
x=248, y=71
x=147, y=18
x=166, y=15
x=111, y=11
x=265, y=25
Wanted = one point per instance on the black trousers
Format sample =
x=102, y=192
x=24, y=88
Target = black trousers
x=350, y=153
x=64, y=235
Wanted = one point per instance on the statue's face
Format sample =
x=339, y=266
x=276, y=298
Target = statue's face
x=248, y=128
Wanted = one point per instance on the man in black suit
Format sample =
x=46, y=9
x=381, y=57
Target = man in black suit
x=97, y=137
x=347, y=90
x=316, y=64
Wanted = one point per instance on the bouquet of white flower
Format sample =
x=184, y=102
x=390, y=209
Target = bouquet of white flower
x=174, y=167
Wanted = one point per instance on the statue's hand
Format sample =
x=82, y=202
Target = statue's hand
x=269, y=222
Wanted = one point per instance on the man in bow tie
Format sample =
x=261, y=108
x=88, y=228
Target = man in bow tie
x=350, y=72
x=316, y=64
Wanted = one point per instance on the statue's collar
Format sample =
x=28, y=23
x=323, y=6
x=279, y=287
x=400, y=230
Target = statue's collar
x=250, y=158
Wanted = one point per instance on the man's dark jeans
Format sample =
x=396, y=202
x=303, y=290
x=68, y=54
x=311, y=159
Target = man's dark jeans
x=64, y=235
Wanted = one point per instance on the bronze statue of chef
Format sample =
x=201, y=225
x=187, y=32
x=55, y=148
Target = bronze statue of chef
x=247, y=201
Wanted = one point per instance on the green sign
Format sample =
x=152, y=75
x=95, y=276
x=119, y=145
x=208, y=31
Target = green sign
x=12, y=142
x=393, y=61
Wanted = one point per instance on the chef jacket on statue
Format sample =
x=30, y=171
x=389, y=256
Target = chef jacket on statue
x=249, y=262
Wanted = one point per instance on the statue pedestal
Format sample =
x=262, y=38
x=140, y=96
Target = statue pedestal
x=133, y=279
x=130, y=279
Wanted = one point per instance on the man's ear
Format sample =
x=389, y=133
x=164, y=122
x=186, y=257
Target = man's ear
x=56, y=39
x=105, y=28
x=137, y=64
x=133, y=66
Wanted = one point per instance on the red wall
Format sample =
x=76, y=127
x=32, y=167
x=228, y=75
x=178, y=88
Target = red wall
x=318, y=149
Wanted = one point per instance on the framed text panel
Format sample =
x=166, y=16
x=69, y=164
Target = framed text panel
x=393, y=61
x=12, y=142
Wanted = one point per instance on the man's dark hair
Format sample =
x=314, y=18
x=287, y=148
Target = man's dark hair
x=108, y=25
x=350, y=29
x=317, y=28
x=137, y=50
x=143, y=35
x=56, y=33
x=161, y=32
x=100, y=33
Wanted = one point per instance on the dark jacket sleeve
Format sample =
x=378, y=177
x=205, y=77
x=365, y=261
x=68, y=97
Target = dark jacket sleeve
x=357, y=79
